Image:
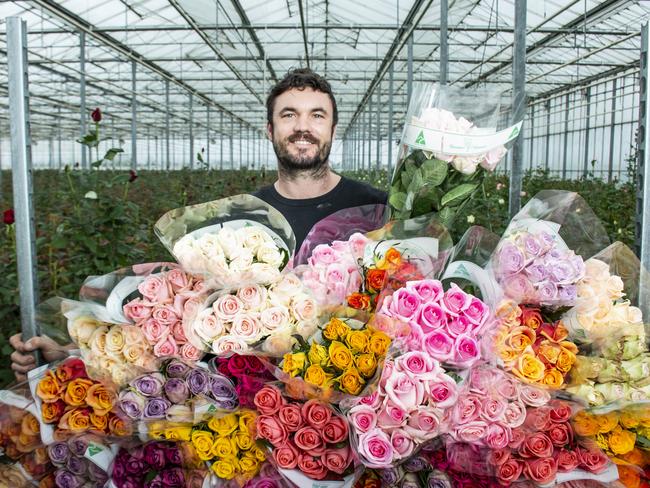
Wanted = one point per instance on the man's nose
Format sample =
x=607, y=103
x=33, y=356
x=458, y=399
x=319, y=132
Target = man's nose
x=301, y=124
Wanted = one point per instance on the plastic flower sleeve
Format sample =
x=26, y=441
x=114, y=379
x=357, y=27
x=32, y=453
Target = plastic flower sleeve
x=450, y=140
x=307, y=440
x=70, y=402
x=20, y=439
x=154, y=297
x=232, y=241
x=82, y=460
x=340, y=226
x=342, y=359
x=252, y=319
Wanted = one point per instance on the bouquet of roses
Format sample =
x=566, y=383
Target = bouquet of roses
x=308, y=436
x=178, y=392
x=406, y=411
x=232, y=241
x=254, y=317
x=71, y=402
x=533, y=349
x=228, y=444
x=74, y=463
x=162, y=300
x=268, y=477
x=156, y=464
x=248, y=373
x=624, y=435
x=445, y=324
x=342, y=359
x=448, y=145
x=121, y=350
x=534, y=266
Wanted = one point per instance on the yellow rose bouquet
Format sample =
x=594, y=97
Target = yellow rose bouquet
x=341, y=359
x=624, y=435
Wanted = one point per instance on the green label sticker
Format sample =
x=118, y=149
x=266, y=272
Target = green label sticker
x=420, y=139
x=212, y=409
x=462, y=271
x=94, y=450
x=514, y=133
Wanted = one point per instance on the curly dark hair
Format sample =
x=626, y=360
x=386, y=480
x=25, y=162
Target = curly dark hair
x=300, y=78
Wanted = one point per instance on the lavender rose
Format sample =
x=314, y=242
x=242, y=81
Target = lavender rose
x=97, y=474
x=511, y=259
x=77, y=446
x=77, y=465
x=177, y=369
x=222, y=390
x=65, y=479
x=131, y=404
x=416, y=464
x=58, y=453
x=149, y=385
x=176, y=390
x=197, y=381
x=156, y=408
x=390, y=476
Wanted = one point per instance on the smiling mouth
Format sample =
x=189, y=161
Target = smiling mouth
x=302, y=142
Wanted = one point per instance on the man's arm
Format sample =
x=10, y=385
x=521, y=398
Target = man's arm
x=22, y=359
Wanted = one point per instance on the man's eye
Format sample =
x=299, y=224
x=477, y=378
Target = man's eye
x=319, y=116
x=284, y=116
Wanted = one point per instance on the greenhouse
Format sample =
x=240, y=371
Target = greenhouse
x=327, y=244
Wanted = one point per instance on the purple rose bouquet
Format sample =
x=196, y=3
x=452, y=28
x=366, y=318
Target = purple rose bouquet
x=537, y=268
x=178, y=392
x=155, y=464
x=73, y=468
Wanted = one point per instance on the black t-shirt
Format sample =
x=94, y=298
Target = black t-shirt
x=302, y=214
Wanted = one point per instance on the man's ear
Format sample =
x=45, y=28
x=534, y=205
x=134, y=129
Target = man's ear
x=269, y=131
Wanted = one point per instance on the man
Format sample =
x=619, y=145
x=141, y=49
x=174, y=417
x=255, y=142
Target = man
x=301, y=123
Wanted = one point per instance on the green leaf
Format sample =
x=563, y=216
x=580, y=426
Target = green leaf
x=410, y=166
x=419, y=157
x=408, y=204
x=397, y=200
x=416, y=182
x=446, y=216
x=112, y=152
x=421, y=206
x=96, y=164
x=458, y=194
x=406, y=178
x=434, y=171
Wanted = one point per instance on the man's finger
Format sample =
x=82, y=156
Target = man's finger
x=22, y=359
x=20, y=378
x=17, y=342
x=21, y=369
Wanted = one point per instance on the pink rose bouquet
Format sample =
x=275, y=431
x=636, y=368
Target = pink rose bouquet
x=309, y=437
x=444, y=324
x=408, y=409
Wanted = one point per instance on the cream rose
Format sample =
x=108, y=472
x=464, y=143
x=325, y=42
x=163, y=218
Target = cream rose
x=82, y=328
x=229, y=343
x=275, y=317
x=264, y=273
x=114, y=342
x=270, y=254
x=226, y=307
x=304, y=308
x=253, y=297
x=228, y=241
x=207, y=326
x=97, y=342
x=188, y=254
x=252, y=237
x=246, y=327
x=278, y=344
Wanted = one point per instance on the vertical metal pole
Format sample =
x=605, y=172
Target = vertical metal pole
x=220, y=141
x=532, y=137
x=191, y=132
x=248, y=146
x=82, y=96
x=518, y=104
x=378, y=127
x=548, y=132
x=156, y=150
x=134, y=126
x=588, y=128
x=444, y=46
x=611, y=132
x=148, y=147
x=643, y=178
x=369, y=133
x=390, y=120
x=59, y=137
x=409, y=70
x=21, y=171
x=240, y=145
x=167, y=155
x=50, y=155
x=232, y=149
x=566, y=136
x=207, y=138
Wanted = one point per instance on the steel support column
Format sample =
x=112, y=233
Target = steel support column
x=207, y=137
x=588, y=128
x=409, y=70
x=612, y=128
x=369, y=133
x=134, y=127
x=548, y=132
x=148, y=147
x=232, y=149
x=444, y=46
x=220, y=141
x=21, y=172
x=566, y=136
x=241, y=156
x=378, y=132
x=82, y=97
x=532, y=137
x=390, y=119
x=518, y=104
x=191, y=132
x=167, y=155
x=643, y=177
x=58, y=130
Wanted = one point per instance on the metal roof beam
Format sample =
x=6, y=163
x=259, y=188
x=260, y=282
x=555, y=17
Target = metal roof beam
x=56, y=10
x=188, y=18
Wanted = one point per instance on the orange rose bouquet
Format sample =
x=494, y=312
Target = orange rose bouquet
x=70, y=402
x=535, y=349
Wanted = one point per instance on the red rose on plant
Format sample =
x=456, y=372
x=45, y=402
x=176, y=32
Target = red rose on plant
x=96, y=115
x=132, y=176
x=9, y=217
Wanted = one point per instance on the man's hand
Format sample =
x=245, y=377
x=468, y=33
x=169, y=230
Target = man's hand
x=23, y=361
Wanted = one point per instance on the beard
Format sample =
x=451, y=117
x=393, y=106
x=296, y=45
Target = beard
x=291, y=166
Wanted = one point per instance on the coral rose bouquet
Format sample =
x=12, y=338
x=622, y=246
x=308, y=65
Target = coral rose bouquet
x=307, y=440
x=230, y=242
x=449, y=142
x=254, y=318
x=70, y=402
x=408, y=410
x=342, y=359
x=446, y=324
x=178, y=392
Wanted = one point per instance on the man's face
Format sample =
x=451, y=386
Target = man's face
x=302, y=130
